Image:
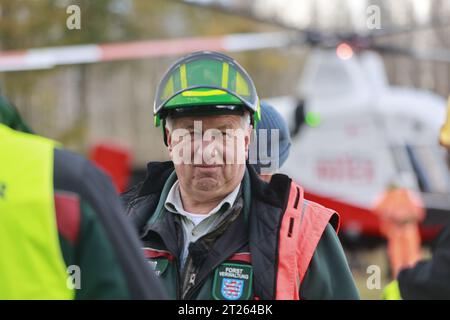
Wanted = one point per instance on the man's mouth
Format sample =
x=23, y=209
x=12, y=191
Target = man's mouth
x=207, y=166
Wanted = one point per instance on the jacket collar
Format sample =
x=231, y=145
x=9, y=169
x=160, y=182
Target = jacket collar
x=157, y=175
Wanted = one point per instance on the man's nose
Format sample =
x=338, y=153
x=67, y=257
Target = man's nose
x=206, y=148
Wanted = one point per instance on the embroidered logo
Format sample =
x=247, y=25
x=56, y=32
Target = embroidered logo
x=232, y=281
x=232, y=288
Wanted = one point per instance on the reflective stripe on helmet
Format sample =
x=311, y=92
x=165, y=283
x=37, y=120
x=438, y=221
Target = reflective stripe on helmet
x=206, y=93
x=225, y=69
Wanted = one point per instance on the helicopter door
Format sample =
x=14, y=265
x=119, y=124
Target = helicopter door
x=429, y=165
x=344, y=158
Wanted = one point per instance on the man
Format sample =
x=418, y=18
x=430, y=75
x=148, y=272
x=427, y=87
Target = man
x=210, y=227
x=62, y=230
x=427, y=279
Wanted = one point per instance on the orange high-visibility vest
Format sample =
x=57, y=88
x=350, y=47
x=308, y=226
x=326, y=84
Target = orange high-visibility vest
x=301, y=229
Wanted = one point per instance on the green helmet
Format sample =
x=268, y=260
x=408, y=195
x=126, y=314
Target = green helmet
x=10, y=117
x=205, y=83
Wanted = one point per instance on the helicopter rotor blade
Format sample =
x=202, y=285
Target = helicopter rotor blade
x=398, y=30
x=436, y=55
x=248, y=9
x=243, y=9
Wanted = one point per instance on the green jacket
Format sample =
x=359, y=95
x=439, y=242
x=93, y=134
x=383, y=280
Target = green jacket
x=95, y=236
x=238, y=259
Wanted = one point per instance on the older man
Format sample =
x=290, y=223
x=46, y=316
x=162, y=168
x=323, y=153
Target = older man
x=210, y=227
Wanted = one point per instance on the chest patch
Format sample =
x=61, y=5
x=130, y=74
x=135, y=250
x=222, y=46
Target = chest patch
x=159, y=265
x=232, y=281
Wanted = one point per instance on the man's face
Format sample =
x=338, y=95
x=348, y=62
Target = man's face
x=209, y=153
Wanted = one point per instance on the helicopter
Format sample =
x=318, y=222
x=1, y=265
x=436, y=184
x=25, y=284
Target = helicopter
x=353, y=134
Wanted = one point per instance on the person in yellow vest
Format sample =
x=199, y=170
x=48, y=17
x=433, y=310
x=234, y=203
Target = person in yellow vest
x=427, y=279
x=62, y=230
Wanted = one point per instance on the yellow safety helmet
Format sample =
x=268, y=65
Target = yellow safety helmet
x=444, y=137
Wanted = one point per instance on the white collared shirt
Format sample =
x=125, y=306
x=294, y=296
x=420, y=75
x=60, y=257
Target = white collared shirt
x=195, y=225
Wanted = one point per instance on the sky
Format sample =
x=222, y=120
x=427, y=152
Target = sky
x=331, y=14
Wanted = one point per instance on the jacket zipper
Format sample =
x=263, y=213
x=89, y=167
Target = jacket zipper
x=189, y=277
x=187, y=293
x=190, y=290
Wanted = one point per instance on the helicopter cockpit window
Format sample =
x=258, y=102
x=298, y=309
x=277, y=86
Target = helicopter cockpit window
x=429, y=164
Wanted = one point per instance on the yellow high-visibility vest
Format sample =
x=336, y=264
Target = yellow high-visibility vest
x=31, y=261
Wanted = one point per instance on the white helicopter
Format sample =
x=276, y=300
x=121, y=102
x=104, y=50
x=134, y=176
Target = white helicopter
x=353, y=133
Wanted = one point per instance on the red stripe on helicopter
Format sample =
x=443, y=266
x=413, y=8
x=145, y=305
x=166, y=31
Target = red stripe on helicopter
x=360, y=220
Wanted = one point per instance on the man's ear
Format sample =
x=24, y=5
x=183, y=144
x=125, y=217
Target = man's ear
x=169, y=140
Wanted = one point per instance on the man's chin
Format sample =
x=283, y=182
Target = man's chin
x=206, y=184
